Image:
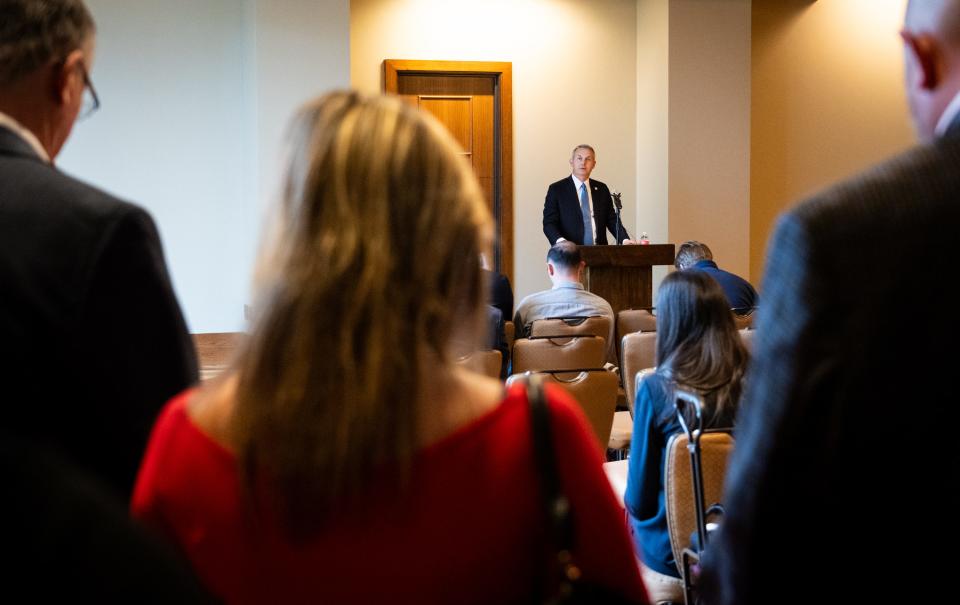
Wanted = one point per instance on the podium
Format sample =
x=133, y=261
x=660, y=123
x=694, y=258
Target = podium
x=623, y=275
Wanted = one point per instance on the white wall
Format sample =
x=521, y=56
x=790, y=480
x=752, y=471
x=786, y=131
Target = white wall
x=195, y=96
x=574, y=81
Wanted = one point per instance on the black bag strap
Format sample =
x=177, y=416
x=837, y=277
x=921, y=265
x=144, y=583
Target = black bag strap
x=556, y=506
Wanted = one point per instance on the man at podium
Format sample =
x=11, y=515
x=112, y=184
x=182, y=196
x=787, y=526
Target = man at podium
x=578, y=208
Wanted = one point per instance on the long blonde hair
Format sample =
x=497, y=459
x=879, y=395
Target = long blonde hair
x=371, y=270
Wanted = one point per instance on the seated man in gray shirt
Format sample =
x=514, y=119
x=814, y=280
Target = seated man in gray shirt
x=567, y=298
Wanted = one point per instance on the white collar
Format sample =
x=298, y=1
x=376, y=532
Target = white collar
x=948, y=115
x=28, y=137
x=577, y=182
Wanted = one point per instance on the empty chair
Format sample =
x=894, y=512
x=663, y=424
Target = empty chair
x=566, y=353
x=635, y=320
x=630, y=321
x=485, y=362
x=639, y=353
x=577, y=326
x=595, y=390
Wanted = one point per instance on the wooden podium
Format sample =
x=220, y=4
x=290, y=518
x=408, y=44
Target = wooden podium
x=623, y=275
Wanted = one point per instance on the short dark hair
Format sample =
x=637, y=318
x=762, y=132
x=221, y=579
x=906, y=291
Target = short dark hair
x=564, y=254
x=690, y=253
x=36, y=32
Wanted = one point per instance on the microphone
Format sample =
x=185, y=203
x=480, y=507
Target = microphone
x=615, y=196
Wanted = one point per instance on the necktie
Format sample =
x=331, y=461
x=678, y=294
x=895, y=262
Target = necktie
x=585, y=211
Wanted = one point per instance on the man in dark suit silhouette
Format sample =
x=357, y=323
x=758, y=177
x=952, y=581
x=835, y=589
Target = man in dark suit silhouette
x=92, y=341
x=840, y=489
x=578, y=208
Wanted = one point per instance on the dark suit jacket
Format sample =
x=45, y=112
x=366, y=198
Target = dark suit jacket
x=562, y=217
x=501, y=293
x=92, y=341
x=846, y=454
x=73, y=541
x=740, y=294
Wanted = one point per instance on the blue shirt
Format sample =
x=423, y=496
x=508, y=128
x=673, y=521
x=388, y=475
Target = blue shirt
x=644, y=498
x=739, y=292
x=654, y=422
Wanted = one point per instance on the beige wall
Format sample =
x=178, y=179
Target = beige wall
x=827, y=100
x=574, y=81
x=709, y=127
x=653, y=131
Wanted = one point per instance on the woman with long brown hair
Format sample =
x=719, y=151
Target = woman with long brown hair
x=345, y=457
x=698, y=348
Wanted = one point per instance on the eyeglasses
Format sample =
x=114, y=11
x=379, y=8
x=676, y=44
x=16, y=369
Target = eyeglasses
x=91, y=102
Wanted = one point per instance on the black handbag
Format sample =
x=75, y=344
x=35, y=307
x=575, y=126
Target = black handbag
x=572, y=588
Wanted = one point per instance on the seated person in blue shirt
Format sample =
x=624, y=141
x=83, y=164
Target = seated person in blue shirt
x=696, y=256
x=698, y=348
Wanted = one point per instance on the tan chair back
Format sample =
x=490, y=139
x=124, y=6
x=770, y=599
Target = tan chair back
x=509, y=334
x=215, y=351
x=635, y=320
x=715, y=447
x=595, y=391
x=639, y=353
x=548, y=354
x=483, y=362
x=743, y=322
x=747, y=337
x=571, y=326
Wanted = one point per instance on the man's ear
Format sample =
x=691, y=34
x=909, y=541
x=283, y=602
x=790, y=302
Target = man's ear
x=64, y=78
x=923, y=50
x=550, y=269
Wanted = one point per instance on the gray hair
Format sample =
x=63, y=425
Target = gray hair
x=690, y=253
x=36, y=32
x=583, y=146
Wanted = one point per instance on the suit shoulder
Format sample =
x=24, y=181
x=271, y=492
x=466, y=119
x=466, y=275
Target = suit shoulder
x=908, y=189
x=560, y=183
x=38, y=191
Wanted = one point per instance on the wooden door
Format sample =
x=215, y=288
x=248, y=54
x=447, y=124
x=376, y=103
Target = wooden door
x=470, y=99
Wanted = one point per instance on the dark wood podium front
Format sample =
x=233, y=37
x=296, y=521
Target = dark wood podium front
x=623, y=275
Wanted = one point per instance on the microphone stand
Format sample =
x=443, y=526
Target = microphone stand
x=617, y=206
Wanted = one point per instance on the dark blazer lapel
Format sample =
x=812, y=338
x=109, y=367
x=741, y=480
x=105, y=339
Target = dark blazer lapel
x=12, y=144
x=573, y=202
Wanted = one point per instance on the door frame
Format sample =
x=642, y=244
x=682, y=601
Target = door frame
x=502, y=74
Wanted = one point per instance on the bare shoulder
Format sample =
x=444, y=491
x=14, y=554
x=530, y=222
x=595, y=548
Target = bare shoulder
x=456, y=402
x=211, y=409
x=482, y=392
